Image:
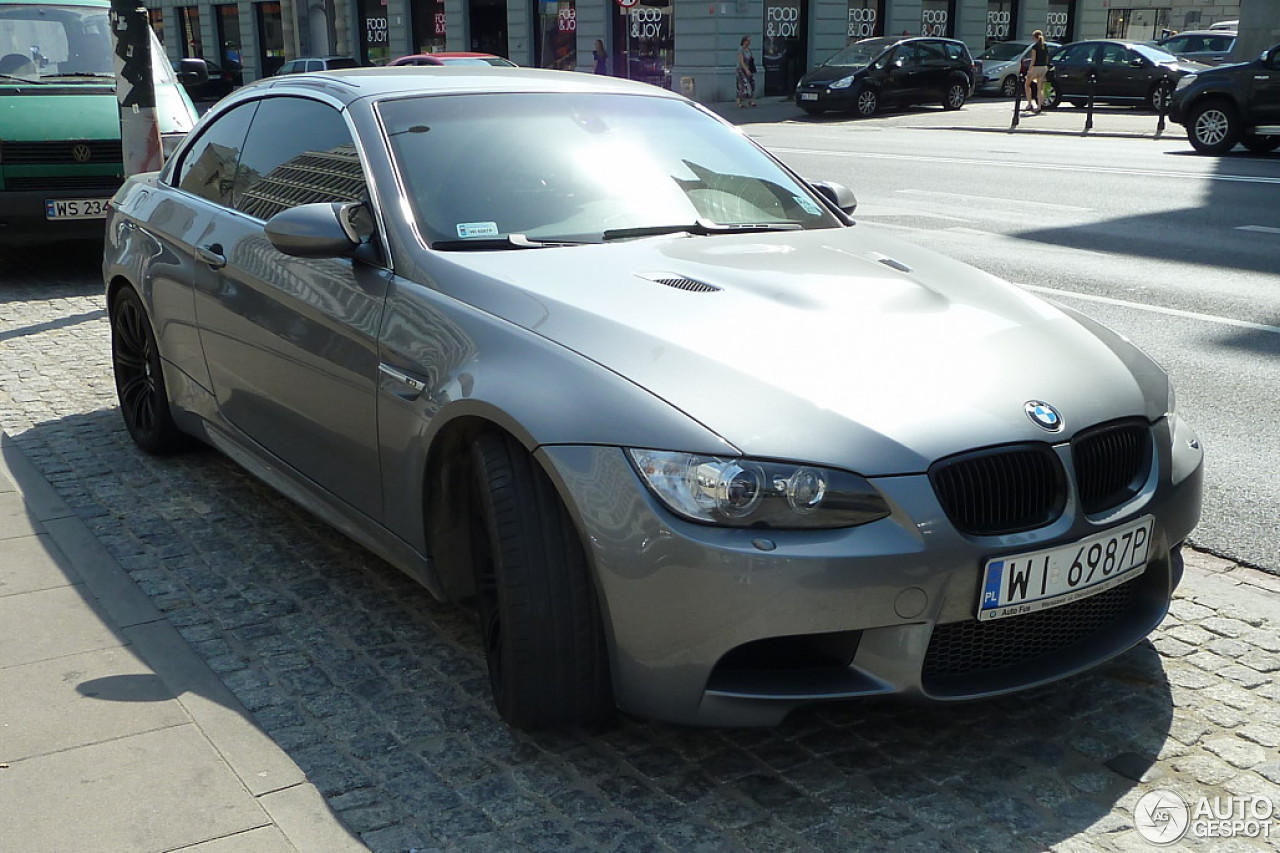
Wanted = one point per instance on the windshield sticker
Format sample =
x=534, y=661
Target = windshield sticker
x=808, y=205
x=467, y=230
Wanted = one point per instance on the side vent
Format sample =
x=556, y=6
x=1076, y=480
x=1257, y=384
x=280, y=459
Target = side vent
x=680, y=282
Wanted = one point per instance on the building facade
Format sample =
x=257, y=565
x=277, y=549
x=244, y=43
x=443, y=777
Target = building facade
x=686, y=45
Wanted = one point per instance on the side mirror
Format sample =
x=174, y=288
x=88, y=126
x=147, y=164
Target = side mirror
x=1138, y=63
x=319, y=230
x=192, y=71
x=838, y=194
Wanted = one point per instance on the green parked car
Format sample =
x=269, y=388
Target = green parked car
x=60, y=154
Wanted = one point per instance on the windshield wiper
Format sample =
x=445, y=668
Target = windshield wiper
x=99, y=75
x=701, y=228
x=509, y=241
x=21, y=79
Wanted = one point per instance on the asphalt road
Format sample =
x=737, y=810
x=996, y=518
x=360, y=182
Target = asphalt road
x=1179, y=253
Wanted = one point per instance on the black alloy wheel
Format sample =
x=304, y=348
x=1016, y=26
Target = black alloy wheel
x=540, y=623
x=140, y=387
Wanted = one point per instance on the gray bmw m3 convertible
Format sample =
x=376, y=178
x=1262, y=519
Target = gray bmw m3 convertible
x=576, y=353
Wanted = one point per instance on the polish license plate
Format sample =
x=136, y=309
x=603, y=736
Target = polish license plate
x=76, y=208
x=808, y=96
x=1037, y=580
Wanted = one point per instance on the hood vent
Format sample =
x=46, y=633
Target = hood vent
x=680, y=282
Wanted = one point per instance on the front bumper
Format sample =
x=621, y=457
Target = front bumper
x=821, y=96
x=23, y=220
x=725, y=627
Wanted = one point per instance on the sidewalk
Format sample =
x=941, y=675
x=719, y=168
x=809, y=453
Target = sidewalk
x=981, y=114
x=114, y=735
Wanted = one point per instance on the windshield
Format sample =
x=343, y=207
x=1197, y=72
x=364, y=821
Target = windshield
x=1155, y=54
x=1003, y=51
x=582, y=167
x=42, y=42
x=859, y=54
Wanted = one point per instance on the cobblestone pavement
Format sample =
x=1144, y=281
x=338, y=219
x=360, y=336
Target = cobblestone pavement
x=380, y=694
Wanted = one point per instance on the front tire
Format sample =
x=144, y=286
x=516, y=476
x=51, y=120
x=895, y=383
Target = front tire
x=957, y=94
x=1161, y=95
x=539, y=619
x=139, y=376
x=1212, y=127
x=867, y=103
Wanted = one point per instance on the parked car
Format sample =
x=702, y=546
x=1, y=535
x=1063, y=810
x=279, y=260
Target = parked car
x=1233, y=26
x=1231, y=104
x=60, y=153
x=1125, y=72
x=305, y=64
x=576, y=351
x=874, y=73
x=1208, y=47
x=1001, y=65
x=454, y=59
x=209, y=84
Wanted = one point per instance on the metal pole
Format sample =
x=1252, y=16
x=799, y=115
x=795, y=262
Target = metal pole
x=1017, y=100
x=135, y=87
x=1088, y=120
x=1162, y=98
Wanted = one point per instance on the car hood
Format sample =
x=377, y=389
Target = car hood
x=835, y=346
x=827, y=73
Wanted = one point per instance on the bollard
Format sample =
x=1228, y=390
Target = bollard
x=1088, y=119
x=1017, y=100
x=1163, y=95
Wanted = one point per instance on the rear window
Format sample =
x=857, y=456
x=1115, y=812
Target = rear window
x=344, y=62
x=957, y=51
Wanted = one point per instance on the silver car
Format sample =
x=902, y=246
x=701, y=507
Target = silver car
x=1002, y=64
x=576, y=352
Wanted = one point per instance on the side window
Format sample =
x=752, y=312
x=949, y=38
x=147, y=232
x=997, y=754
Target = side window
x=281, y=168
x=315, y=65
x=1220, y=42
x=1078, y=55
x=956, y=52
x=210, y=167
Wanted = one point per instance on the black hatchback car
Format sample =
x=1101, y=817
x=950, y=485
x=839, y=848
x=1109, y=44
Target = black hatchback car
x=1124, y=73
x=878, y=72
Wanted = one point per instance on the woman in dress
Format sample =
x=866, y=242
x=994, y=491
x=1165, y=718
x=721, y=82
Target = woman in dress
x=746, y=73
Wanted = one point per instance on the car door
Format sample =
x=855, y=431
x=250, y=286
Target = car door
x=901, y=77
x=931, y=78
x=1118, y=76
x=1263, y=87
x=291, y=343
x=1071, y=69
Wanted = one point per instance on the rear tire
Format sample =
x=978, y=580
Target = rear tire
x=1212, y=127
x=139, y=376
x=957, y=94
x=539, y=620
x=1260, y=144
x=1052, y=97
x=1160, y=96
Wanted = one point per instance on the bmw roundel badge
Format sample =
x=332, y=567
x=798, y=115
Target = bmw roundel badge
x=1044, y=415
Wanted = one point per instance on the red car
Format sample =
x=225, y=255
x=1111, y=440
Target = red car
x=453, y=59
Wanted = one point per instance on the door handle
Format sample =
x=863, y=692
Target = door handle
x=212, y=255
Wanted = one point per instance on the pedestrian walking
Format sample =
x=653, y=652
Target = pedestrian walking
x=1036, y=73
x=746, y=73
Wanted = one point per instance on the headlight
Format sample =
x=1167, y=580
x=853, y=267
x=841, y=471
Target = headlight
x=843, y=83
x=1186, y=81
x=739, y=492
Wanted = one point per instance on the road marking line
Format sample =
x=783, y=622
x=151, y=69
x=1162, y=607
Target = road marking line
x=1261, y=229
x=1158, y=309
x=1059, y=167
x=983, y=198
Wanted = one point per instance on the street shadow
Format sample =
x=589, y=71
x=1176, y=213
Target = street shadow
x=38, y=272
x=381, y=695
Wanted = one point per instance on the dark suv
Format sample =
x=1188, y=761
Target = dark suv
x=1230, y=104
x=877, y=72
